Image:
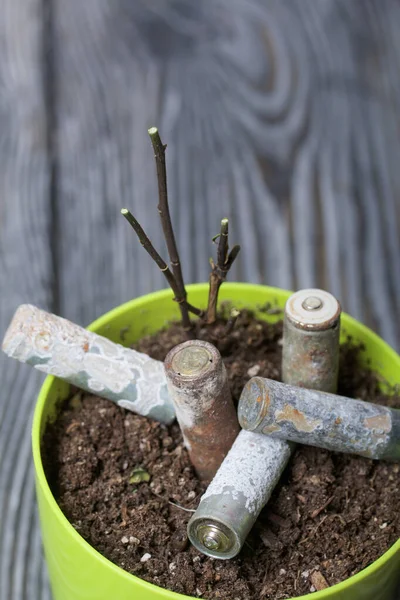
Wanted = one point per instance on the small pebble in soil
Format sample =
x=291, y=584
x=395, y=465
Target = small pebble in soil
x=145, y=558
x=134, y=540
x=305, y=574
x=254, y=370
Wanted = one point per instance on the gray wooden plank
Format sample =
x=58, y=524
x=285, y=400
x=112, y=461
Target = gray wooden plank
x=280, y=115
x=262, y=106
x=26, y=275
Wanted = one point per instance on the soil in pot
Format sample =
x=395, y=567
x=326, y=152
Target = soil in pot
x=126, y=484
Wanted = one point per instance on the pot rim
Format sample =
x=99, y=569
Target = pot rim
x=138, y=303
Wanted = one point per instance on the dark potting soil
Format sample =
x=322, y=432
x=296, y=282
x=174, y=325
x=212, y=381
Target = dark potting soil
x=126, y=484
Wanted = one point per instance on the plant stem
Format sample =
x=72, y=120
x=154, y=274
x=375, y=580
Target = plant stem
x=196, y=311
x=232, y=255
x=219, y=270
x=148, y=246
x=222, y=253
x=163, y=209
x=231, y=322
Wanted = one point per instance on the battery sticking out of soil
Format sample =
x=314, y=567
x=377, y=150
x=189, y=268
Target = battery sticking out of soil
x=247, y=477
x=89, y=361
x=198, y=386
x=236, y=495
x=310, y=351
x=320, y=419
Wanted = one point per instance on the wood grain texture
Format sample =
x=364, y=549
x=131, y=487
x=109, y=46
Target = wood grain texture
x=273, y=116
x=25, y=273
x=281, y=115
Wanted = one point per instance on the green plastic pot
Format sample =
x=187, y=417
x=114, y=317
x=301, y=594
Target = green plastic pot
x=77, y=571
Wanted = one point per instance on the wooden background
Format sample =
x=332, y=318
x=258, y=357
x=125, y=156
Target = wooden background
x=280, y=114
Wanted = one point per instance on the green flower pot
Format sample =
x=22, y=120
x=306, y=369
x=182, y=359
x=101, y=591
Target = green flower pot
x=77, y=571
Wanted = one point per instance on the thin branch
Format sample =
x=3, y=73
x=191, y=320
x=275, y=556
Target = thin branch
x=166, y=271
x=219, y=270
x=222, y=254
x=232, y=256
x=148, y=246
x=231, y=322
x=191, y=510
x=196, y=311
x=163, y=209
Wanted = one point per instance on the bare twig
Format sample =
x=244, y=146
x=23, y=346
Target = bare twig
x=219, y=270
x=231, y=322
x=232, y=255
x=195, y=311
x=191, y=510
x=223, y=248
x=317, y=511
x=163, y=209
x=148, y=246
x=313, y=531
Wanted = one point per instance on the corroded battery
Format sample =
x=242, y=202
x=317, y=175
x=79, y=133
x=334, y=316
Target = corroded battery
x=320, y=419
x=198, y=386
x=235, y=497
x=311, y=329
x=248, y=475
x=89, y=361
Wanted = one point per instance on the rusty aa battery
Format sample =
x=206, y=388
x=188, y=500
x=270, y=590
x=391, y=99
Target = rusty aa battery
x=310, y=352
x=199, y=389
x=236, y=495
x=320, y=419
